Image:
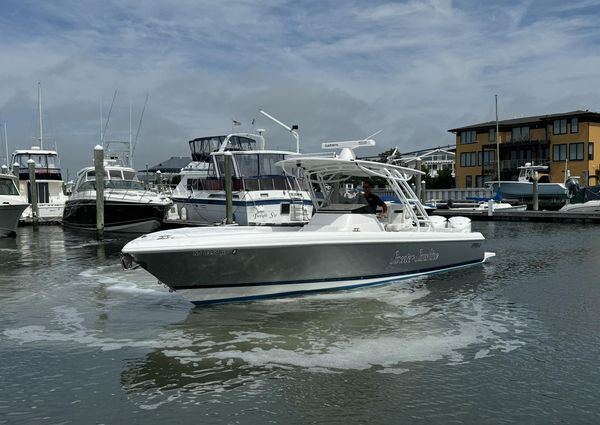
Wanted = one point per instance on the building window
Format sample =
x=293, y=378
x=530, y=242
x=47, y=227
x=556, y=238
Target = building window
x=489, y=157
x=469, y=181
x=560, y=126
x=467, y=137
x=468, y=159
x=574, y=125
x=478, y=181
x=544, y=154
x=576, y=151
x=492, y=135
x=520, y=133
x=590, y=151
x=560, y=152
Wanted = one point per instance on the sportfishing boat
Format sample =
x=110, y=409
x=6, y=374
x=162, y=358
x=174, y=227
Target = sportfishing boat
x=49, y=183
x=11, y=205
x=523, y=186
x=128, y=206
x=262, y=193
x=343, y=246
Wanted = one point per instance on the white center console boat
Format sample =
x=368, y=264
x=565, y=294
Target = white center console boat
x=343, y=246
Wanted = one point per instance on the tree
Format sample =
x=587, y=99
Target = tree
x=443, y=180
x=390, y=153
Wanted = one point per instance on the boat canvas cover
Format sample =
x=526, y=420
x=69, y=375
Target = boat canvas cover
x=586, y=194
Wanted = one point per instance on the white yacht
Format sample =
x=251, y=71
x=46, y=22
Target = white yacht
x=11, y=205
x=128, y=206
x=49, y=183
x=48, y=176
x=343, y=246
x=262, y=193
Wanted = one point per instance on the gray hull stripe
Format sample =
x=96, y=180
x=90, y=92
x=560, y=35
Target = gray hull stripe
x=336, y=279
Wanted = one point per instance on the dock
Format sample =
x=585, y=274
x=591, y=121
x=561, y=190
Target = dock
x=532, y=216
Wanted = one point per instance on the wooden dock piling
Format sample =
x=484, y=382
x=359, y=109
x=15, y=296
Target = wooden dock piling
x=99, y=170
x=228, y=188
x=33, y=192
x=535, y=193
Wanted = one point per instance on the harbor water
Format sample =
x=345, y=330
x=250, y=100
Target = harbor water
x=515, y=340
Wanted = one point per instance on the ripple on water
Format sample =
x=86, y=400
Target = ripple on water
x=387, y=329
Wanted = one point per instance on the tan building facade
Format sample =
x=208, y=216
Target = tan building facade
x=565, y=141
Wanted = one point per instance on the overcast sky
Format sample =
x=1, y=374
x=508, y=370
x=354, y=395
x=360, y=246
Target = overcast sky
x=339, y=69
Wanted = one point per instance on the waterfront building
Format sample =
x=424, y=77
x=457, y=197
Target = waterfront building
x=434, y=159
x=563, y=141
x=167, y=169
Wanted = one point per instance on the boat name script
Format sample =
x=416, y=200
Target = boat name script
x=264, y=214
x=210, y=253
x=402, y=258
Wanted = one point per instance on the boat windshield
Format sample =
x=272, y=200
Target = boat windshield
x=112, y=184
x=345, y=199
x=257, y=165
x=202, y=147
x=7, y=187
x=113, y=179
x=41, y=160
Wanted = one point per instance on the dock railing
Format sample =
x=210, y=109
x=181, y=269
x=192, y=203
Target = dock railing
x=444, y=195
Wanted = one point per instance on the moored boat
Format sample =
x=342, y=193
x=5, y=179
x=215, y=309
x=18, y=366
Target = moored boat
x=262, y=193
x=344, y=245
x=11, y=205
x=49, y=183
x=128, y=206
x=523, y=187
x=585, y=201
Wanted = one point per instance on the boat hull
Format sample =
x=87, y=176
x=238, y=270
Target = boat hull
x=292, y=266
x=9, y=218
x=246, y=212
x=47, y=213
x=119, y=216
x=589, y=207
x=509, y=189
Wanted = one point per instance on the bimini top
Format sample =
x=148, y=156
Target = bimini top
x=344, y=168
x=328, y=173
x=345, y=164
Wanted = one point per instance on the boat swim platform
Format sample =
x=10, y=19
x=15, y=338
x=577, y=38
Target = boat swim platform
x=542, y=216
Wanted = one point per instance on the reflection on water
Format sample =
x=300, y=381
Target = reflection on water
x=68, y=309
x=385, y=330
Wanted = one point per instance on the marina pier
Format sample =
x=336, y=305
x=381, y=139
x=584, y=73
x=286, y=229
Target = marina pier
x=520, y=216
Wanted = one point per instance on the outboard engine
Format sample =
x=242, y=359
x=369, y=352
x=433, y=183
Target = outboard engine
x=460, y=224
x=572, y=186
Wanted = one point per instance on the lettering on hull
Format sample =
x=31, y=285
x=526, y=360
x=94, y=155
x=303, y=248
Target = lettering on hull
x=409, y=258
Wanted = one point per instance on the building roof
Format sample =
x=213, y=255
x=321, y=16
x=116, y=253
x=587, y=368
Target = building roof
x=537, y=119
x=171, y=165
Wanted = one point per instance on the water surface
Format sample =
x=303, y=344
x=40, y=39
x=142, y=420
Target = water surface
x=516, y=340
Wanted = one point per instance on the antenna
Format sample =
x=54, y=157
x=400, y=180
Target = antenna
x=139, y=127
x=293, y=129
x=101, y=119
x=130, y=150
x=40, y=112
x=6, y=144
x=108, y=117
